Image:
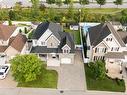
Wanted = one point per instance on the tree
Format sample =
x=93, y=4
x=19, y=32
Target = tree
x=118, y=2
x=11, y=15
x=9, y=22
x=50, y=1
x=18, y=6
x=26, y=68
x=67, y=2
x=84, y=2
x=42, y=7
x=25, y=30
x=98, y=68
x=35, y=7
x=70, y=12
x=59, y=2
x=101, y=2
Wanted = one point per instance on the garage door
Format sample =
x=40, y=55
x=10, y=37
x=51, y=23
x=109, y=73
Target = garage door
x=65, y=61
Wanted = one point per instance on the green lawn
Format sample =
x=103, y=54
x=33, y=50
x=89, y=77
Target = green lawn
x=48, y=79
x=75, y=34
x=103, y=85
x=104, y=10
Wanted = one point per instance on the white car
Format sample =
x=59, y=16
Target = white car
x=4, y=69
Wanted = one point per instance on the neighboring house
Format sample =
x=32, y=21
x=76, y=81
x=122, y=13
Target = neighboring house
x=11, y=41
x=74, y=26
x=105, y=43
x=53, y=45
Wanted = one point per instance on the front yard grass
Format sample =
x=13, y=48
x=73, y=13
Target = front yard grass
x=75, y=34
x=106, y=84
x=48, y=79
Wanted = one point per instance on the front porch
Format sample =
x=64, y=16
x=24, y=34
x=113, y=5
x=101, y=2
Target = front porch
x=52, y=59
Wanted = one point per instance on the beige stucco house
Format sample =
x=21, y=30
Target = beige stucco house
x=52, y=44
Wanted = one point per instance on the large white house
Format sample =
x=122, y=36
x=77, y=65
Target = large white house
x=105, y=42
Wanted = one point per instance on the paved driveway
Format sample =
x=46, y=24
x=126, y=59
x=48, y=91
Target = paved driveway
x=8, y=82
x=71, y=77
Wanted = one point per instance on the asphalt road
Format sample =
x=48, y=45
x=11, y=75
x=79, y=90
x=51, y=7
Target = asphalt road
x=26, y=3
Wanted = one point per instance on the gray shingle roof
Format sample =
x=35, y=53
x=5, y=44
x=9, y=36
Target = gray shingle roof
x=98, y=33
x=101, y=31
x=56, y=29
x=53, y=27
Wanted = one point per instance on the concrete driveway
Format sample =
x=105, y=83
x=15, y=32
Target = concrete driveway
x=8, y=82
x=72, y=77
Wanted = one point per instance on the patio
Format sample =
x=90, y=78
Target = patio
x=114, y=70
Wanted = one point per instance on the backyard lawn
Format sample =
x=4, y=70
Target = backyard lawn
x=103, y=85
x=48, y=79
x=75, y=34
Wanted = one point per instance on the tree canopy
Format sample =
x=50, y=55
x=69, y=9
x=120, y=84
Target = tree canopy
x=84, y=2
x=98, y=69
x=59, y=2
x=118, y=2
x=26, y=68
x=101, y=2
x=50, y=1
x=67, y=2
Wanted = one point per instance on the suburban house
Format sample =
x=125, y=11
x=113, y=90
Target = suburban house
x=106, y=42
x=11, y=42
x=52, y=44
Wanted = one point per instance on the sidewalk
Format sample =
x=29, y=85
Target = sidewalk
x=42, y=91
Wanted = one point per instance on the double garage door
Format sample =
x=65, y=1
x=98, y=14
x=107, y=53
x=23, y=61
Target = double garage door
x=66, y=61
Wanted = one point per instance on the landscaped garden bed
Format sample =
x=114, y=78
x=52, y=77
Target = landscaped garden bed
x=106, y=84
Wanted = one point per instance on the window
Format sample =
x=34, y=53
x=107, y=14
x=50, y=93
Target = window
x=51, y=44
x=108, y=39
x=100, y=50
x=65, y=51
x=42, y=43
x=115, y=49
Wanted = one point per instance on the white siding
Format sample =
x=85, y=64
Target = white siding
x=111, y=42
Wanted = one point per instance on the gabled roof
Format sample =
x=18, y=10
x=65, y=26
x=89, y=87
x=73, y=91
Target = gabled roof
x=6, y=31
x=53, y=27
x=57, y=31
x=101, y=31
x=67, y=39
x=98, y=33
x=18, y=42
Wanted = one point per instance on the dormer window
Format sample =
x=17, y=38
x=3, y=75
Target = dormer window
x=65, y=51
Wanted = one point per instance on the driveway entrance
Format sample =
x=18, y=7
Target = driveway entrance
x=71, y=76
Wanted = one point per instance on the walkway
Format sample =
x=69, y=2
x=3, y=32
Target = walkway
x=39, y=91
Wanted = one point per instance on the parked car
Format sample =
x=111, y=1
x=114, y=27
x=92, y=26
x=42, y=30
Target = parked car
x=4, y=69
